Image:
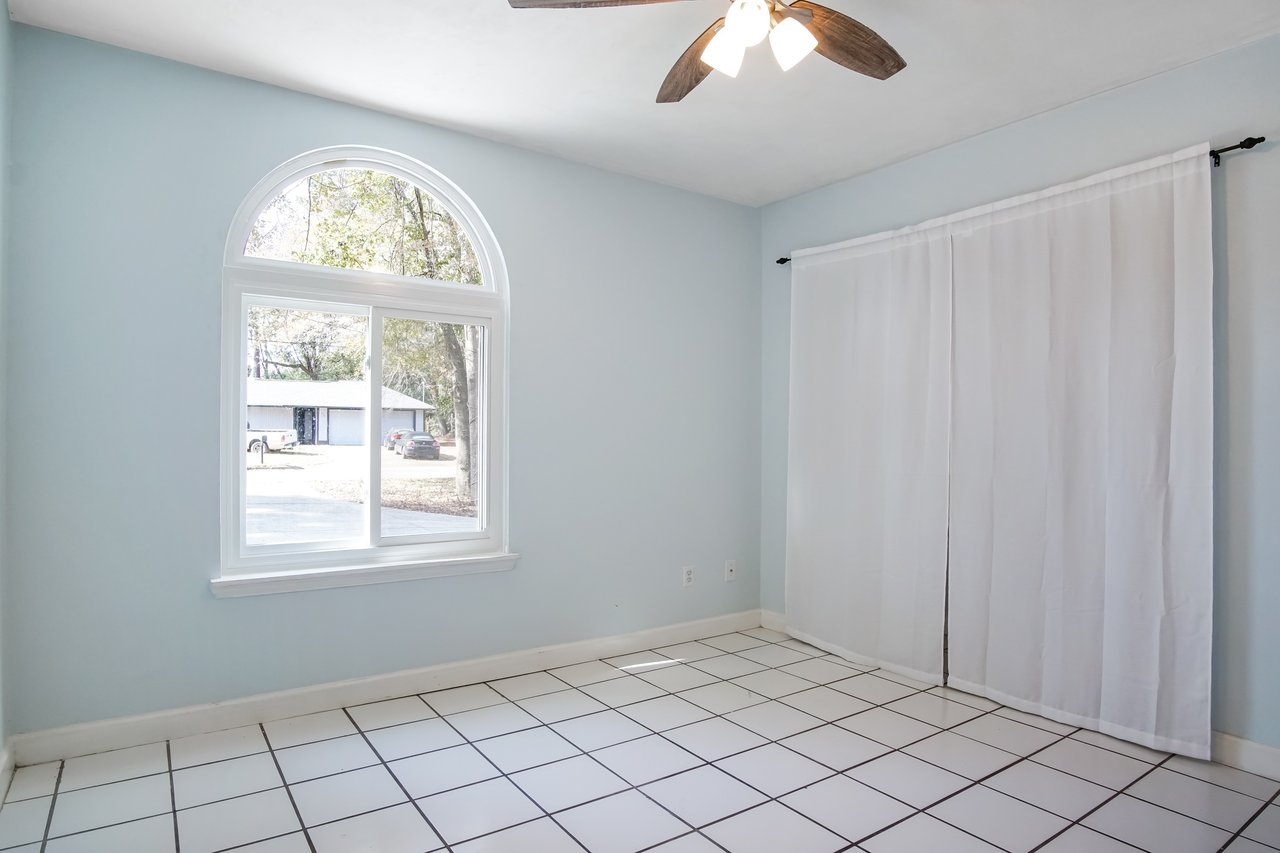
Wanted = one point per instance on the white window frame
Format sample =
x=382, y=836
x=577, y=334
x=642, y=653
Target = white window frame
x=247, y=280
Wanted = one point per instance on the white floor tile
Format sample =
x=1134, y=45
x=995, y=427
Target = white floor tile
x=722, y=697
x=1050, y=789
x=871, y=688
x=115, y=766
x=887, y=727
x=1033, y=720
x=540, y=836
x=818, y=670
x=413, y=738
x=774, y=720
x=639, y=662
x=522, y=750
x=24, y=821
x=295, y=842
x=714, y=739
x=622, y=823
x=703, y=795
x=828, y=704
x=774, y=769
x=1153, y=828
x=835, y=747
x=958, y=754
x=34, y=781
x=847, y=807
x=800, y=646
x=676, y=678
x=686, y=652
x=1248, y=845
x=857, y=667
x=905, y=681
x=1089, y=762
x=393, y=712
x=595, y=731
x=691, y=843
x=1080, y=839
x=335, y=797
x=773, y=683
x=733, y=642
x=925, y=834
x=911, y=780
x=458, y=699
x=1123, y=747
x=1266, y=827
x=223, y=780
x=564, y=705
x=399, y=829
x=150, y=835
x=591, y=672
x=492, y=721
x=773, y=655
x=728, y=666
x=324, y=758
x=1008, y=823
x=216, y=746
x=771, y=828
x=626, y=690
x=443, y=770
x=568, y=783
x=1195, y=798
x=979, y=702
x=1228, y=777
x=768, y=635
x=934, y=710
x=646, y=759
x=525, y=686
x=218, y=826
x=665, y=712
x=478, y=810
x=307, y=729
x=90, y=808
x=1006, y=734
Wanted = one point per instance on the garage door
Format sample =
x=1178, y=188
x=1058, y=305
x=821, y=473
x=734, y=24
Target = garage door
x=393, y=418
x=346, y=426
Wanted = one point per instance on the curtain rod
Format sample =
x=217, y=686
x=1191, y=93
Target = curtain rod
x=1215, y=154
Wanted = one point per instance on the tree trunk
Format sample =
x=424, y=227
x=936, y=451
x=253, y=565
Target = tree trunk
x=462, y=418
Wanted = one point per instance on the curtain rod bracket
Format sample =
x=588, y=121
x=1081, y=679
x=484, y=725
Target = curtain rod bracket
x=781, y=261
x=1244, y=145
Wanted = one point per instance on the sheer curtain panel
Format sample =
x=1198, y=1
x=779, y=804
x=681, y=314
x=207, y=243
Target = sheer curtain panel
x=1082, y=453
x=867, y=454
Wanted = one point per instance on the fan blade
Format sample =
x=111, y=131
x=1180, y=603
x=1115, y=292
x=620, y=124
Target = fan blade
x=855, y=46
x=580, y=4
x=689, y=69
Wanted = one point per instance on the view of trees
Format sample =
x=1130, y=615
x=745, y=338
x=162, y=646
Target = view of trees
x=368, y=220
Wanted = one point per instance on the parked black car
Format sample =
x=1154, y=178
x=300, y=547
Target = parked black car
x=390, y=439
x=418, y=445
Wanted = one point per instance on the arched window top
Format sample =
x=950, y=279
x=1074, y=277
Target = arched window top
x=371, y=211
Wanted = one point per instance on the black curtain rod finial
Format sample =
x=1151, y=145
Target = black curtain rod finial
x=1244, y=144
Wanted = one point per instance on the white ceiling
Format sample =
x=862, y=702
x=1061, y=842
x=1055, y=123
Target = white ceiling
x=581, y=83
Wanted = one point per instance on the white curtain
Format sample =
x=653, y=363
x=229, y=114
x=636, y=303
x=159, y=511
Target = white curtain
x=867, y=463
x=1082, y=450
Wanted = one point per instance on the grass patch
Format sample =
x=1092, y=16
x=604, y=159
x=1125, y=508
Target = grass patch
x=433, y=494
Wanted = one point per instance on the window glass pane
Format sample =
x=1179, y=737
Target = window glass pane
x=361, y=219
x=430, y=426
x=306, y=464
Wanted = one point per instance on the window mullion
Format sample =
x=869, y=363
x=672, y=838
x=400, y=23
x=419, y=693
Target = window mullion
x=373, y=500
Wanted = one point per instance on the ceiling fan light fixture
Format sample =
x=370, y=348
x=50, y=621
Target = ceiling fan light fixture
x=749, y=20
x=791, y=42
x=724, y=52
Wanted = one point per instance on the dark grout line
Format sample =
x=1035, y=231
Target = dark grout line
x=288, y=792
x=1257, y=814
x=173, y=797
x=53, y=802
x=1080, y=820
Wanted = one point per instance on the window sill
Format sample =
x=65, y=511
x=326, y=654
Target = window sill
x=298, y=580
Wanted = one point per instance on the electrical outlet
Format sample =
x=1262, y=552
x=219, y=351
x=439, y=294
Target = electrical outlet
x=687, y=577
x=730, y=570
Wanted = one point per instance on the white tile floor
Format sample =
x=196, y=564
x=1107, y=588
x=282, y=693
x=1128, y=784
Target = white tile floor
x=750, y=743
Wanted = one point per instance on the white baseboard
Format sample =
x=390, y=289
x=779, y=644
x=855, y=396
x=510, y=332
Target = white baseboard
x=121, y=732
x=6, y=768
x=1246, y=755
x=773, y=620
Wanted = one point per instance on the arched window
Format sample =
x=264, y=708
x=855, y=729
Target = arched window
x=364, y=338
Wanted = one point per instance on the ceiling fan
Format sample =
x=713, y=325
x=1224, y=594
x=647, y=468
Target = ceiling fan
x=794, y=29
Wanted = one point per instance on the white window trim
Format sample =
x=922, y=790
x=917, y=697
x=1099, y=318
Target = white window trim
x=248, y=279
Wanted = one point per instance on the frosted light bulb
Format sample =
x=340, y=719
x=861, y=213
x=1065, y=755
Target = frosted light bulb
x=724, y=52
x=791, y=42
x=748, y=20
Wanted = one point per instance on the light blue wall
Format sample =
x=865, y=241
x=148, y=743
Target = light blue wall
x=1222, y=100
x=6, y=64
x=635, y=397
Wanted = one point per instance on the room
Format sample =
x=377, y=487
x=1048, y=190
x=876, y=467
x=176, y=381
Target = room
x=451, y=426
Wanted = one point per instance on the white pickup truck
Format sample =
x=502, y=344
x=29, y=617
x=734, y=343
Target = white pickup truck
x=271, y=439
